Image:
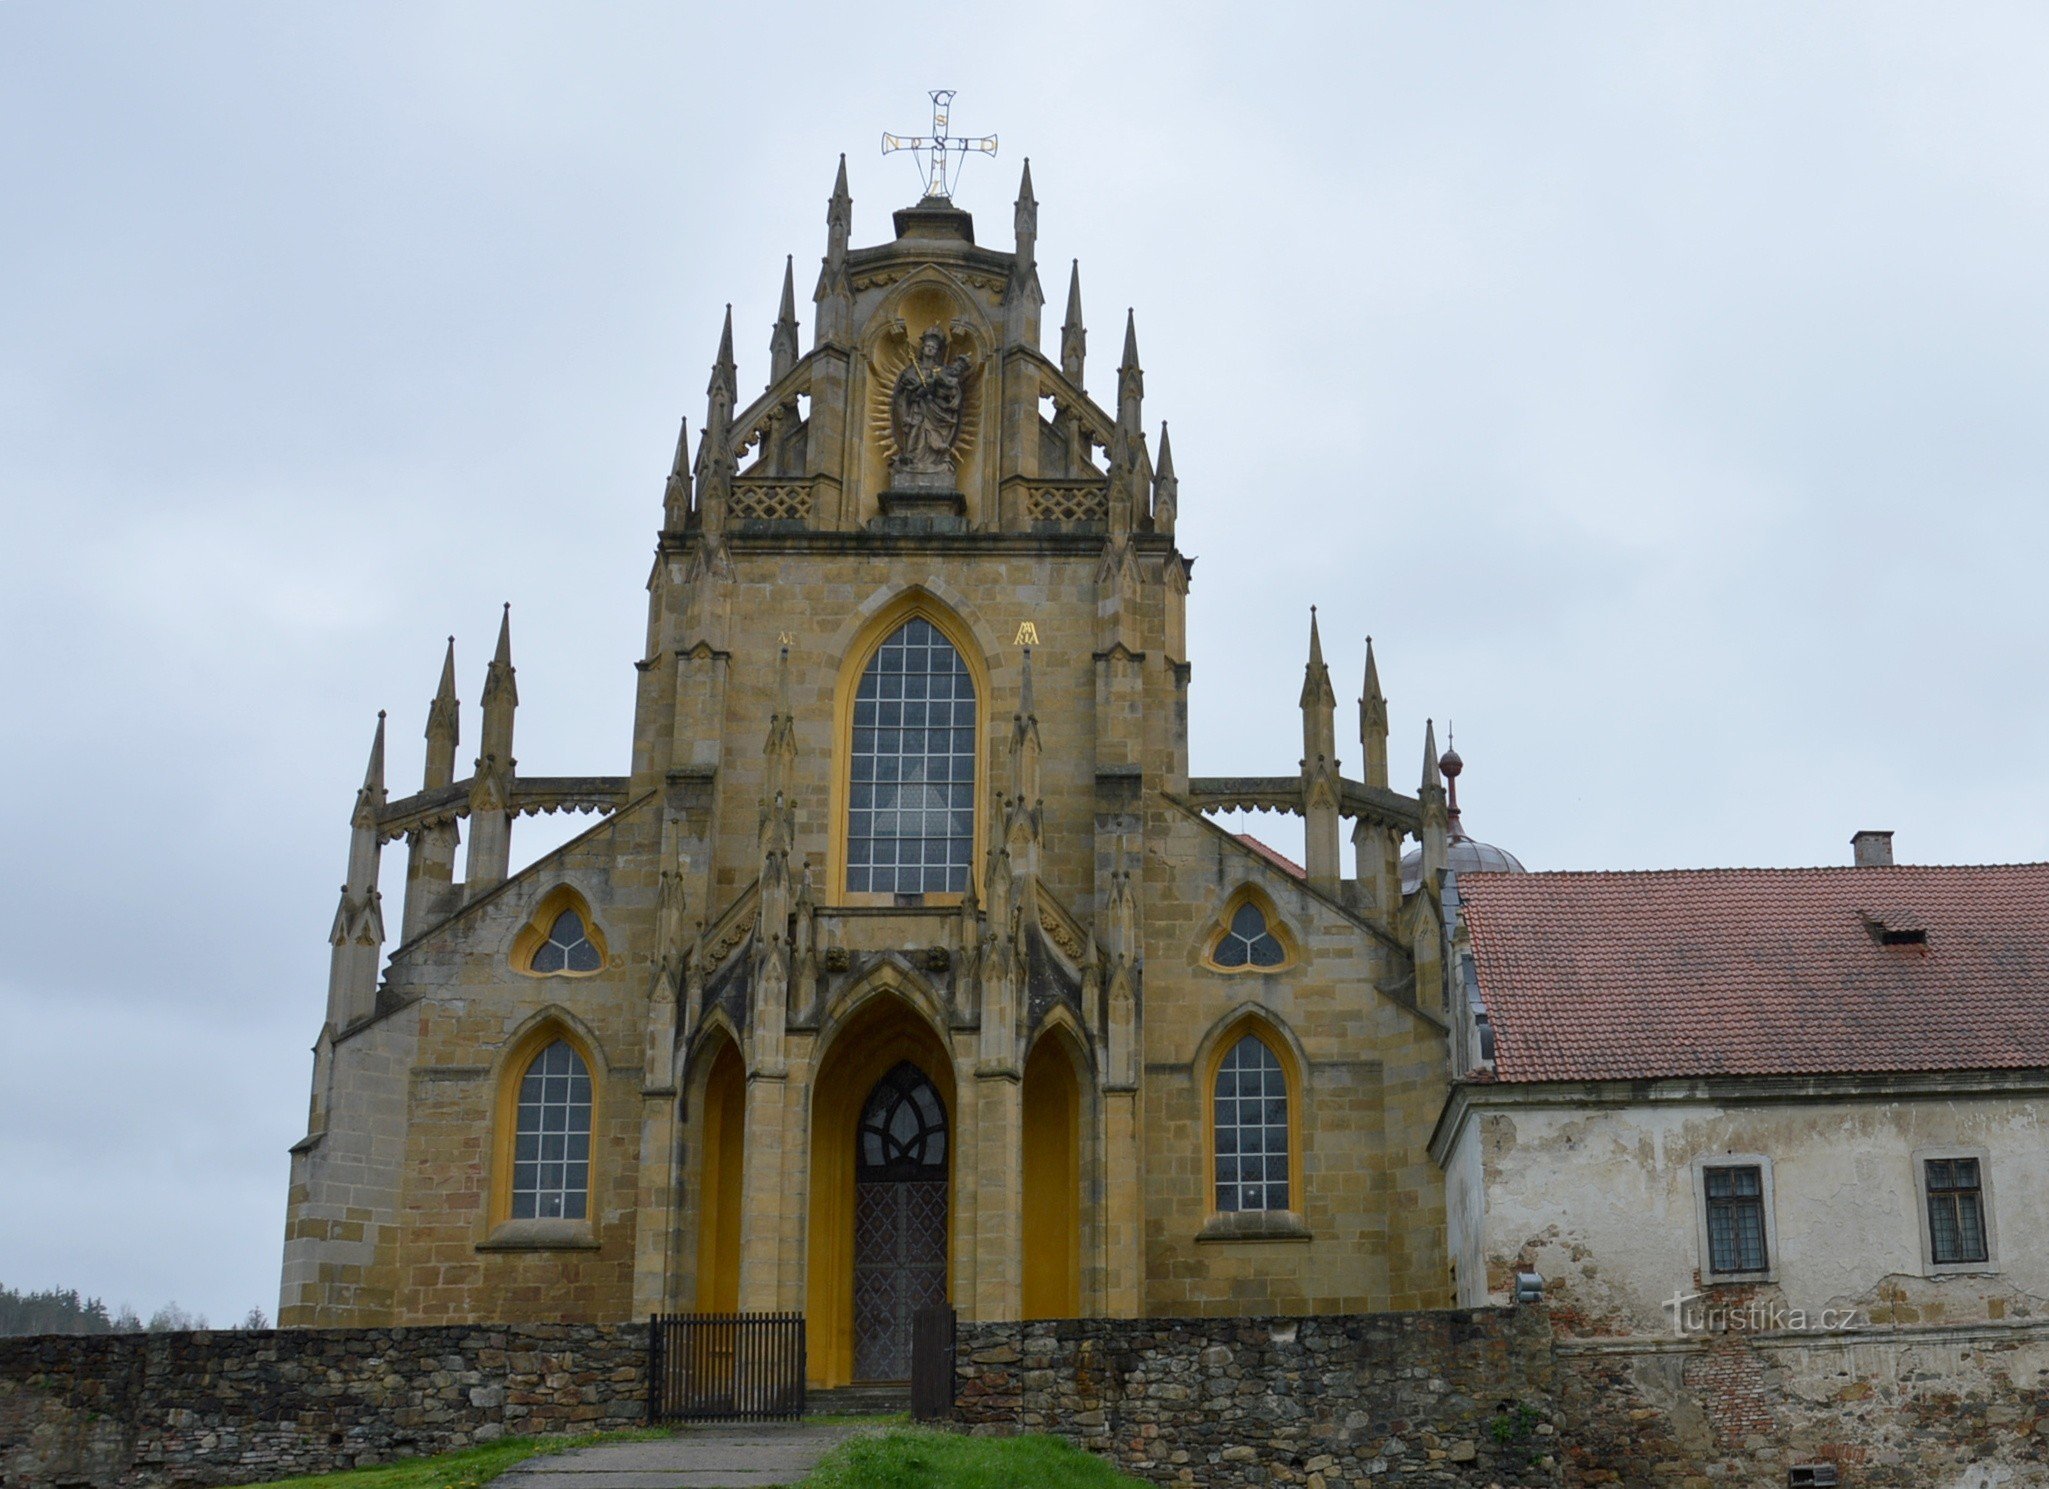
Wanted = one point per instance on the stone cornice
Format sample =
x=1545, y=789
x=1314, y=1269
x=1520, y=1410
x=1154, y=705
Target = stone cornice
x=529, y=795
x=1284, y=794
x=1468, y=1097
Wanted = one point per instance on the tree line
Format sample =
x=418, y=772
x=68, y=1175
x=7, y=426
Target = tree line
x=63, y=1311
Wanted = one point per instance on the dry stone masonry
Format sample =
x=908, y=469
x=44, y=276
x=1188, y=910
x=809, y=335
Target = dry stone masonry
x=110, y=1412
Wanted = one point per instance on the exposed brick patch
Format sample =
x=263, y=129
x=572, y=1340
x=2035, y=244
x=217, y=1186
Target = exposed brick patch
x=1728, y=1379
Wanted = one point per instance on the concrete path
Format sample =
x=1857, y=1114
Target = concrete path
x=736, y=1456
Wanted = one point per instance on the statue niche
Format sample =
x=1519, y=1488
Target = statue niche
x=927, y=408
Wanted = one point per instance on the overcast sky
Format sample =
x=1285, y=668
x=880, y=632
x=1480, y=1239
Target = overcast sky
x=1661, y=386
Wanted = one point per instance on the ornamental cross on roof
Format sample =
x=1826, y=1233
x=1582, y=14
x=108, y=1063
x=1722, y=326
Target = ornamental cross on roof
x=937, y=145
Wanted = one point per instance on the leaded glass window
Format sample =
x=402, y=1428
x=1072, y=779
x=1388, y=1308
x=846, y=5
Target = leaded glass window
x=1247, y=941
x=552, y=1143
x=911, y=808
x=568, y=947
x=1251, y=1127
x=1956, y=1211
x=903, y=1127
x=1735, y=1219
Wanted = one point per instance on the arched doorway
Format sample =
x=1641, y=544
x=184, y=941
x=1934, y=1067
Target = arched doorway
x=899, y=1219
x=886, y=1050
x=724, y=1109
x=1052, y=1182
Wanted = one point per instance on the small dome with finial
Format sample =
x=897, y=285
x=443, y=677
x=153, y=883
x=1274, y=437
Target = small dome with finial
x=1464, y=853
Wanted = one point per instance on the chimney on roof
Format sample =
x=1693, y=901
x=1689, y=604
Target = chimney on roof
x=1871, y=849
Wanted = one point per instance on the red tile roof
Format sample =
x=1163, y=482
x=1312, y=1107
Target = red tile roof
x=1625, y=976
x=1273, y=856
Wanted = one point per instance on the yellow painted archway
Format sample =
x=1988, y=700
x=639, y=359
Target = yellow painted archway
x=1051, y=1215
x=883, y=1032
x=721, y=1159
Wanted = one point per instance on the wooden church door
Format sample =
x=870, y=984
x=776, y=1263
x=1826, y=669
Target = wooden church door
x=899, y=1219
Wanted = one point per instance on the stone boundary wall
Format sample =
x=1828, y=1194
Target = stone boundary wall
x=1490, y=1398
x=230, y=1407
x=1440, y=1398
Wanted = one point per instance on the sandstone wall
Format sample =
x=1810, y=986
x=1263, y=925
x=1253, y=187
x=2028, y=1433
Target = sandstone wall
x=233, y=1408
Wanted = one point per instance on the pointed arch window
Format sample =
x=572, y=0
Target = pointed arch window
x=1250, y=1128
x=551, y=1145
x=910, y=806
x=1248, y=941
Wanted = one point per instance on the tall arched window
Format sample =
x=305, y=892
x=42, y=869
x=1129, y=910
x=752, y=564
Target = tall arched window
x=1251, y=1128
x=911, y=801
x=551, y=1145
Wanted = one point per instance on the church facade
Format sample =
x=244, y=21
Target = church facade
x=903, y=963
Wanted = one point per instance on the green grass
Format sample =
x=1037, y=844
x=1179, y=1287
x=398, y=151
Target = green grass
x=920, y=1458
x=466, y=1468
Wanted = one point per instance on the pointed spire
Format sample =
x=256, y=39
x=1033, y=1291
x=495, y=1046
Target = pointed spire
x=1130, y=376
x=444, y=725
x=834, y=297
x=372, y=793
x=1027, y=219
x=1166, y=489
x=1316, y=688
x=724, y=378
x=1373, y=722
x=1321, y=785
x=1435, y=832
x=1074, y=336
x=782, y=344
x=714, y=459
x=490, y=791
x=1027, y=705
x=676, y=498
x=357, y=936
x=839, y=216
x=502, y=656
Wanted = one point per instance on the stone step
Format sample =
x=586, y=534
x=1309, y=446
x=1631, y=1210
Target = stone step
x=887, y=1398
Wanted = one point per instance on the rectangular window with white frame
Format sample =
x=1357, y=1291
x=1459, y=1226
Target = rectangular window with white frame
x=1954, y=1186
x=1733, y=1208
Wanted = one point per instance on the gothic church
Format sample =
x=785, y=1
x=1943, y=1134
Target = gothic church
x=903, y=963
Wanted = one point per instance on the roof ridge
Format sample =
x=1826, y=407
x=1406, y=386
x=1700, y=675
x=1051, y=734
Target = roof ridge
x=1717, y=871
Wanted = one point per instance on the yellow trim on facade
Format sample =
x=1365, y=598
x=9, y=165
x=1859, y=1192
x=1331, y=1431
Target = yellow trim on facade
x=505, y=1117
x=534, y=934
x=1050, y=1208
x=912, y=604
x=1276, y=925
x=718, y=1221
x=1223, y=1040
x=886, y=1029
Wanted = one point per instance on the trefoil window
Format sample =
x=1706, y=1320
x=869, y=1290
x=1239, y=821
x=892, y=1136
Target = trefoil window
x=568, y=947
x=1248, y=941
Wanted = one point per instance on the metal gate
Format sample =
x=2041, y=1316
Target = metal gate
x=932, y=1334
x=724, y=1366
